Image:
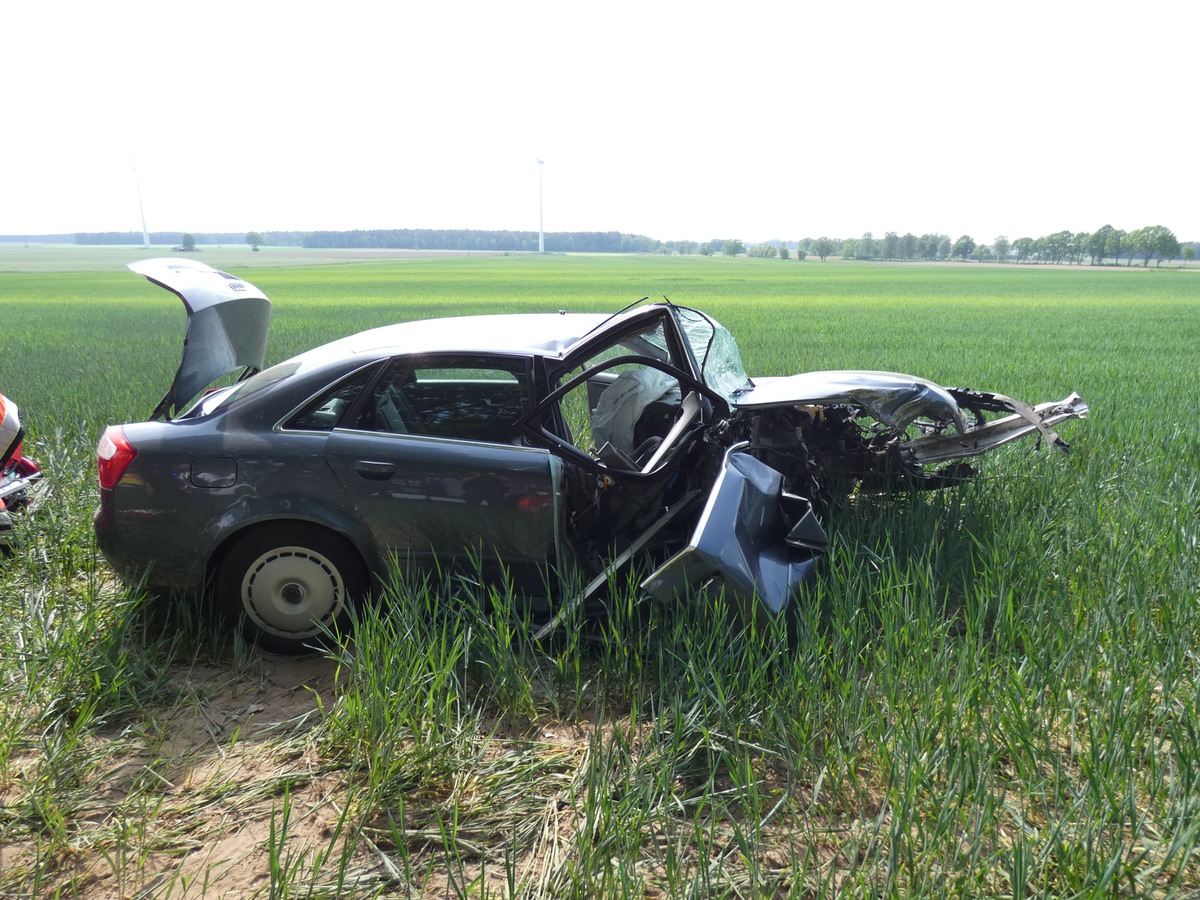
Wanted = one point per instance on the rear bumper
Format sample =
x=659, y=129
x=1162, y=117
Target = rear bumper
x=129, y=549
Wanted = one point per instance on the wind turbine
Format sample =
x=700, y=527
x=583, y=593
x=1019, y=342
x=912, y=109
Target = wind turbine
x=541, y=225
x=138, y=185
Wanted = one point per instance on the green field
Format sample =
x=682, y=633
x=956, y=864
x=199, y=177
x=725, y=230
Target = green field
x=995, y=692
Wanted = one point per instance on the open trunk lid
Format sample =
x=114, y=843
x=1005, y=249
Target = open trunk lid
x=228, y=320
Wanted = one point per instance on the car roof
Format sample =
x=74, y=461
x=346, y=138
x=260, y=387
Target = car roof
x=531, y=334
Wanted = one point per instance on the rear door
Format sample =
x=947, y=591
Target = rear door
x=435, y=465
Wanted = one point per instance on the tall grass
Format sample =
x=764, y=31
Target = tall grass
x=990, y=691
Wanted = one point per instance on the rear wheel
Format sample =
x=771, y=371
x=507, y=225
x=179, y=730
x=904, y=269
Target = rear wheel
x=287, y=584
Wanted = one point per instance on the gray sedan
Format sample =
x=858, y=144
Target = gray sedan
x=547, y=451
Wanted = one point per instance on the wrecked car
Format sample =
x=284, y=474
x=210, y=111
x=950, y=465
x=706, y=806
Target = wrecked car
x=19, y=475
x=547, y=451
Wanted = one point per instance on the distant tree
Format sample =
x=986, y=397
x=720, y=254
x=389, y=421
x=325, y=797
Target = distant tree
x=188, y=242
x=802, y=254
x=783, y=250
x=908, y=246
x=1079, y=246
x=733, y=248
x=1166, y=245
x=944, y=247
x=254, y=239
x=1000, y=246
x=1133, y=244
x=1138, y=242
x=1154, y=241
x=761, y=251
x=1141, y=244
x=1023, y=247
x=850, y=248
x=982, y=252
x=963, y=247
x=1113, y=244
x=1073, y=245
x=1097, y=242
x=823, y=247
x=705, y=250
x=867, y=247
x=891, y=246
x=1189, y=254
x=1058, y=246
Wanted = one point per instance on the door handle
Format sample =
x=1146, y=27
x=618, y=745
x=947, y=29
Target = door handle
x=376, y=471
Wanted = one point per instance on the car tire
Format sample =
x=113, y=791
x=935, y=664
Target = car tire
x=287, y=585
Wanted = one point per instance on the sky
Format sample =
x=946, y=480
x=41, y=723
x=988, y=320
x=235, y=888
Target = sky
x=680, y=121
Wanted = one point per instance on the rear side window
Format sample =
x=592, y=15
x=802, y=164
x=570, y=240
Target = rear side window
x=325, y=412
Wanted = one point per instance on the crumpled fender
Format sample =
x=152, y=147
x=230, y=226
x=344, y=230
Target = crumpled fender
x=760, y=541
x=896, y=400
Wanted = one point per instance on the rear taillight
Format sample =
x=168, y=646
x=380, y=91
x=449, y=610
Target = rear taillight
x=114, y=453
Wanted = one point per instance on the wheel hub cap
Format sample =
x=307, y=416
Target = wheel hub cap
x=289, y=591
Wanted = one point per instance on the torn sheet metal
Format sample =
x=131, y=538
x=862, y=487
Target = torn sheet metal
x=976, y=441
x=894, y=399
x=759, y=541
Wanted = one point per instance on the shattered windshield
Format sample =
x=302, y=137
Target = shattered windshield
x=716, y=351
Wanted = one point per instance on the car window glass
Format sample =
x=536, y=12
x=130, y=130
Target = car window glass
x=650, y=341
x=325, y=411
x=716, y=351
x=464, y=398
x=624, y=407
x=213, y=400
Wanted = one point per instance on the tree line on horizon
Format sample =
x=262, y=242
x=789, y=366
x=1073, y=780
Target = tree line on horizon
x=1155, y=242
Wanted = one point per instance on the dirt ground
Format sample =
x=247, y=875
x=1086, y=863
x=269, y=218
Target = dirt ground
x=191, y=800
